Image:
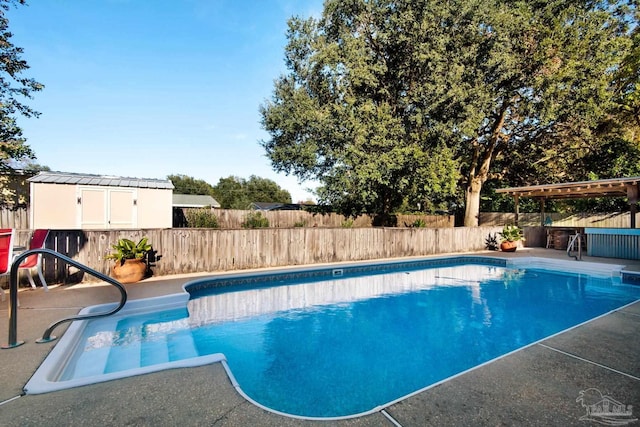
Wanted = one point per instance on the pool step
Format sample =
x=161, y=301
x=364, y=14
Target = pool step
x=181, y=345
x=154, y=351
x=90, y=363
x=93, y=360
x=149, y=345
x=136, y=344
x=127, y=354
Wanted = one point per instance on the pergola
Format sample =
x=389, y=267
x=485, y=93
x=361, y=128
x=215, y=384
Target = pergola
x=616, y=187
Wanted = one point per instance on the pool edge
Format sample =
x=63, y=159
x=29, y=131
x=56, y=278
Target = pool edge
x=139, y=306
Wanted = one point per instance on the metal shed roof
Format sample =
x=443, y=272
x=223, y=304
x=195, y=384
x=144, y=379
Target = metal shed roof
x=69, y=178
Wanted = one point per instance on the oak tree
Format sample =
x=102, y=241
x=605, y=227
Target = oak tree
x=393, y=100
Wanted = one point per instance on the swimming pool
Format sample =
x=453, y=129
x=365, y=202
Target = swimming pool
x=340, y=342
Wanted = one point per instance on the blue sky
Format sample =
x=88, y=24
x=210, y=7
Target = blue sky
x=149, y=88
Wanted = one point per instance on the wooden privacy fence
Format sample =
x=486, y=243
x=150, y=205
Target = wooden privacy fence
x=605, y=220
x=231, y=218
x=191, y=250
x=17, y=218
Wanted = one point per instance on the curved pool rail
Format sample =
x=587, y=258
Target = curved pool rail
x=13, y=297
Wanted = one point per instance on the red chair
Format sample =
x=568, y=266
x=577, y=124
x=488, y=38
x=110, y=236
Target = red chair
x=6, y=252
x=37, y=241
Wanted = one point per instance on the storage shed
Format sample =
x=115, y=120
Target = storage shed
x=61, y=200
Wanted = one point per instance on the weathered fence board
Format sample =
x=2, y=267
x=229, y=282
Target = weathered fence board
x=233, y=219
x=17, y=218
x=606, y=220
x=191, y=250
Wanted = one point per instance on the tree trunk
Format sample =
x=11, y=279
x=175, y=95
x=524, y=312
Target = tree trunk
x=479, y=168
x=472, y=203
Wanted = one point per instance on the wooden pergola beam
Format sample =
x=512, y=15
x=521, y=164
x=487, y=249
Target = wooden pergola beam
x=616, y=187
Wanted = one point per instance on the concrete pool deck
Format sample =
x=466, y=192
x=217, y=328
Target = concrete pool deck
x=538, y=385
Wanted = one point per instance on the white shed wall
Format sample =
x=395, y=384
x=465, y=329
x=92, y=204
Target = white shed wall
x=53, y=206
x=155, y=208
x=71, y=206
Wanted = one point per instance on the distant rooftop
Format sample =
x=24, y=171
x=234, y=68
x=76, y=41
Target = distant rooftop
x=272, y=206
x=194, y=201
x=99, y=180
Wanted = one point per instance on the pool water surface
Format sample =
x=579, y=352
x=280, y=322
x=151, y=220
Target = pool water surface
x=341, y=347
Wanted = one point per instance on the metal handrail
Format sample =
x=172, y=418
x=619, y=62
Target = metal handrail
x=572, y=242
x=13, y=297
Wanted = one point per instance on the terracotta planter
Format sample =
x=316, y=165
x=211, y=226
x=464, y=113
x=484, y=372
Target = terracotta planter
x=133, y=270
x=508, y=246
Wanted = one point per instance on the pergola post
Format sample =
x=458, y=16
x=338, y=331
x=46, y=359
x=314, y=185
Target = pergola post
x=517, y=201
x=542, y=212
x=632, y=196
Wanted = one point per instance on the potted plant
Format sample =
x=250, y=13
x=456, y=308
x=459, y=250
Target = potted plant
x=491, y=242
x=130, y=260
x=509, y=237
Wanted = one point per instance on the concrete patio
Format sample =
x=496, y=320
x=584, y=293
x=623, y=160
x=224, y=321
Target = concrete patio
x=537, y=385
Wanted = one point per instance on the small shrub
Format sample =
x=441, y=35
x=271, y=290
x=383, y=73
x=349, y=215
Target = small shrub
x=255, y=220
x=347, y=223
x=419, y=223
x=128, y=249
x=201, y=218
x=491, y=242
x=511, y=233
x=300, y=224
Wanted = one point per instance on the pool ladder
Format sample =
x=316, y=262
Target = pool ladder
x=13, y=297
x=573, y=240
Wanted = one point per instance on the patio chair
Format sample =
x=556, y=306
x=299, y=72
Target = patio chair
x=37, y=241
x=6, y=253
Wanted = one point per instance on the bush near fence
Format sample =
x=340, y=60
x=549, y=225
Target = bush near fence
x=193, y=250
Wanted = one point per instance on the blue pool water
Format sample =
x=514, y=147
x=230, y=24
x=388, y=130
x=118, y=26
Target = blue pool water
x=343, y=346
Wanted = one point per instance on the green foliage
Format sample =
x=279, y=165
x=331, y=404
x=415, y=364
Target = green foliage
x=419, y=223
x=347, y=223
x=394, y=104
x=300, y=224
x=128, y=249
x=265, y=190
x=233, y=192
x=237, y=193
x=510, y=233
x=184, y=184
x=201, y=218
x=340, y=117
x=13, y=89
x=230, y=193
x=255, y=220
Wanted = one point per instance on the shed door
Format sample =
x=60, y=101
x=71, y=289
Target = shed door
x=92, y=208
x=122, y=208
x=103, y=208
